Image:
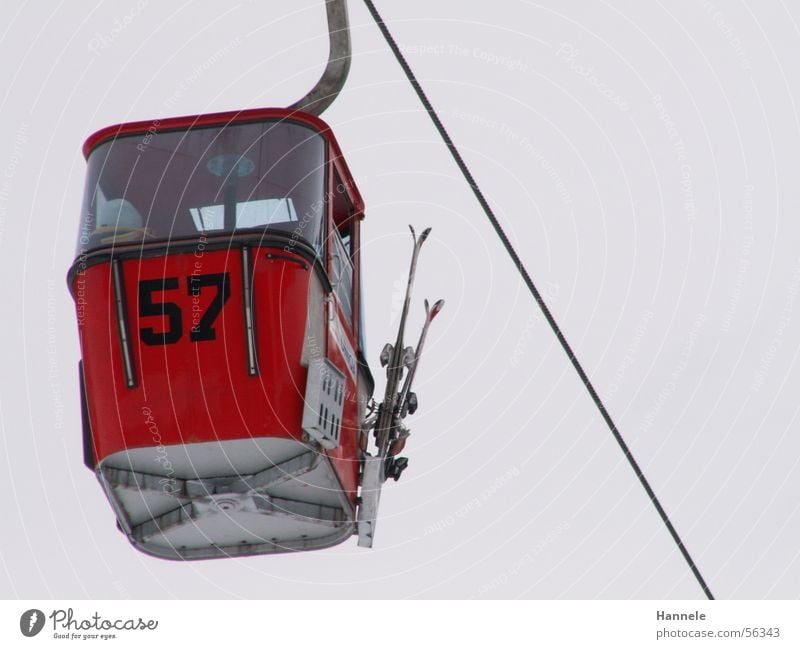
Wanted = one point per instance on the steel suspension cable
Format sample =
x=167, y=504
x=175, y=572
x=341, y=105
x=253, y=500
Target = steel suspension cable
x=535, y=292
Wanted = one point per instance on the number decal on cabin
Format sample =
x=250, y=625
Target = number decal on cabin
x=202, y=323
x=202, y=326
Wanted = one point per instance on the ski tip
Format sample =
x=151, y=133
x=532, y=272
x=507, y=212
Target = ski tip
x=424, y=235
x=438, y=306
x=413, y=234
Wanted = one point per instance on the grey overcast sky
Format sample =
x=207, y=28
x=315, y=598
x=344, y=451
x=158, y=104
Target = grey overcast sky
x=643, y=157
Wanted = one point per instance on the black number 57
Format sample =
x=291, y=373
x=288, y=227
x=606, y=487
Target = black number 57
x=202, y=327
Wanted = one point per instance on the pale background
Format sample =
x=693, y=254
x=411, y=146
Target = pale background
x=644, y=159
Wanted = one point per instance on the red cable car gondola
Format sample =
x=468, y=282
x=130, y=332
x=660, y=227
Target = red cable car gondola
x=217, y=284
x=217, y=287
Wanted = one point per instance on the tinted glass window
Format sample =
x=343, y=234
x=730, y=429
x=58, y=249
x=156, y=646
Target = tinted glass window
x=343, y=277
x=205, y=181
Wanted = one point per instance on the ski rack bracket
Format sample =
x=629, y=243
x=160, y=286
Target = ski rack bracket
x=387, y=422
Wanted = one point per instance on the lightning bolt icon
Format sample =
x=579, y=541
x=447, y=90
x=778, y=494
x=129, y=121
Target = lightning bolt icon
x=32, y=621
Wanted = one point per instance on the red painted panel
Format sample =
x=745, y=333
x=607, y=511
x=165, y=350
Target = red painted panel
x=196, y=390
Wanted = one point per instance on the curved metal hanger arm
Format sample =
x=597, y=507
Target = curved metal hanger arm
x=332, y=80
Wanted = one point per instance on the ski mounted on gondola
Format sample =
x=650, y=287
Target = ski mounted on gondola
x=398, y=402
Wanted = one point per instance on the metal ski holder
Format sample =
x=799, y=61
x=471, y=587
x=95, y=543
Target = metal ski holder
x=386, y=423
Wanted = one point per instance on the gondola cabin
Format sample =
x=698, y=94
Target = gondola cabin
x=217, y=287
